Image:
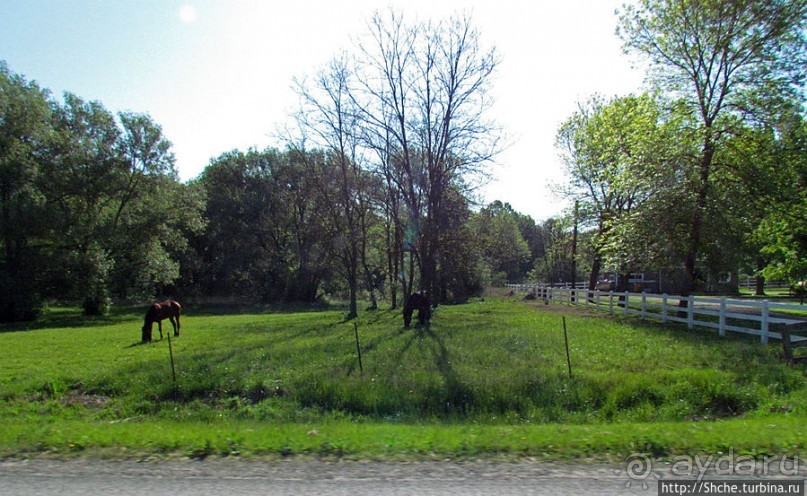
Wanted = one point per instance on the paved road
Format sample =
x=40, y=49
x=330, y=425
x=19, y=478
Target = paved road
x=180, y=478
x=296, y=477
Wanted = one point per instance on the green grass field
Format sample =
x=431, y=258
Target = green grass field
x=488, y=378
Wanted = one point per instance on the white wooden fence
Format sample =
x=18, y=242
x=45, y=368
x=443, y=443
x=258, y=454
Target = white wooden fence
x=724, y=314
x=751, y=283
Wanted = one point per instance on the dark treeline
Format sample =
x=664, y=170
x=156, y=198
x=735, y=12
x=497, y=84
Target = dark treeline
x=90, y=204
x=275, y=232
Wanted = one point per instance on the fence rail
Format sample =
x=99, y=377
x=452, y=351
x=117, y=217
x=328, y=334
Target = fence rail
x=760, y=318
x=751, y=283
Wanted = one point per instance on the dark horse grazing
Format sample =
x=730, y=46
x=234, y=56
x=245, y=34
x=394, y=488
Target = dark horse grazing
x=417, y=301
x=157, y=312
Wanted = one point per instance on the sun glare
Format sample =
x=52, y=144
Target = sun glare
x=187, y=13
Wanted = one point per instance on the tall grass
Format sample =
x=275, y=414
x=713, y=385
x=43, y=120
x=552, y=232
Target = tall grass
x=492, y=362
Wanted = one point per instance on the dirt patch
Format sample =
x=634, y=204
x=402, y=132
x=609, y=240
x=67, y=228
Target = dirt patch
x=85, y=400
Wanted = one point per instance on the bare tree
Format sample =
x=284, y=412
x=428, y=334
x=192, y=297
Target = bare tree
x=328, y=118
x=386, y=59
x=423, y=97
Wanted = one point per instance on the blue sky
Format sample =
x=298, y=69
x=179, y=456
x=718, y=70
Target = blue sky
x=216, y=74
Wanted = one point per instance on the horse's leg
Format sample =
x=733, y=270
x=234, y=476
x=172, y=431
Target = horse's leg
x=160, y=326
x=425, y=313
x=178, y=325
x=174, y=323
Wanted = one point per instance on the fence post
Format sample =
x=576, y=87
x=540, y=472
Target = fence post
x=722, y=324
x=566, y=339
x=664, y=308
x=690, y=311
x=173, y=368
x=610, y=302
x=358, y=346
x=644, y=304
x=766, y=313
x=627, y=300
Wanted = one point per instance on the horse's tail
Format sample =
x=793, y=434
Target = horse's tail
x=179, y=313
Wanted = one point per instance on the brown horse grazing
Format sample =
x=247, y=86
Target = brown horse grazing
x=157, y=312
x=417, y=301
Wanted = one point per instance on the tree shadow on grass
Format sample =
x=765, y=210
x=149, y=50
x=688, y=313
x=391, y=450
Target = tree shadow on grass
x=202, y=308
x=455, y=397
x=69, y=317
x=459, y=398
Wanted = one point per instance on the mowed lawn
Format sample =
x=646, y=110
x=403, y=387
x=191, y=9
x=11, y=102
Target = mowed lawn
x=488, y=378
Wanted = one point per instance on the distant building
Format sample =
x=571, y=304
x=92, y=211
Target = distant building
x=670, y=282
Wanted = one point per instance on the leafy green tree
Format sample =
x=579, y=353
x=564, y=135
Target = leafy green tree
x=24, y=126
x=463, y=270
x=151, y=214
x=80, y=186
x=612, y=151
x=264, y=236
x=554, y=265
x=724, y=61
x=781, y=198
x=246, y=243
x=90, y=204
x=152, y=240
x=112, y=192
x=500, y=243
x=531, y=232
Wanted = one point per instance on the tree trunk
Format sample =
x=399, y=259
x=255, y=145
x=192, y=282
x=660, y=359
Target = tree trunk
x=594, y=275
x=696, y=225
x=393, y=268
x=759, y=289
x=574, y=248
x=428, y=269
x=623, y=286
x=393, y=258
